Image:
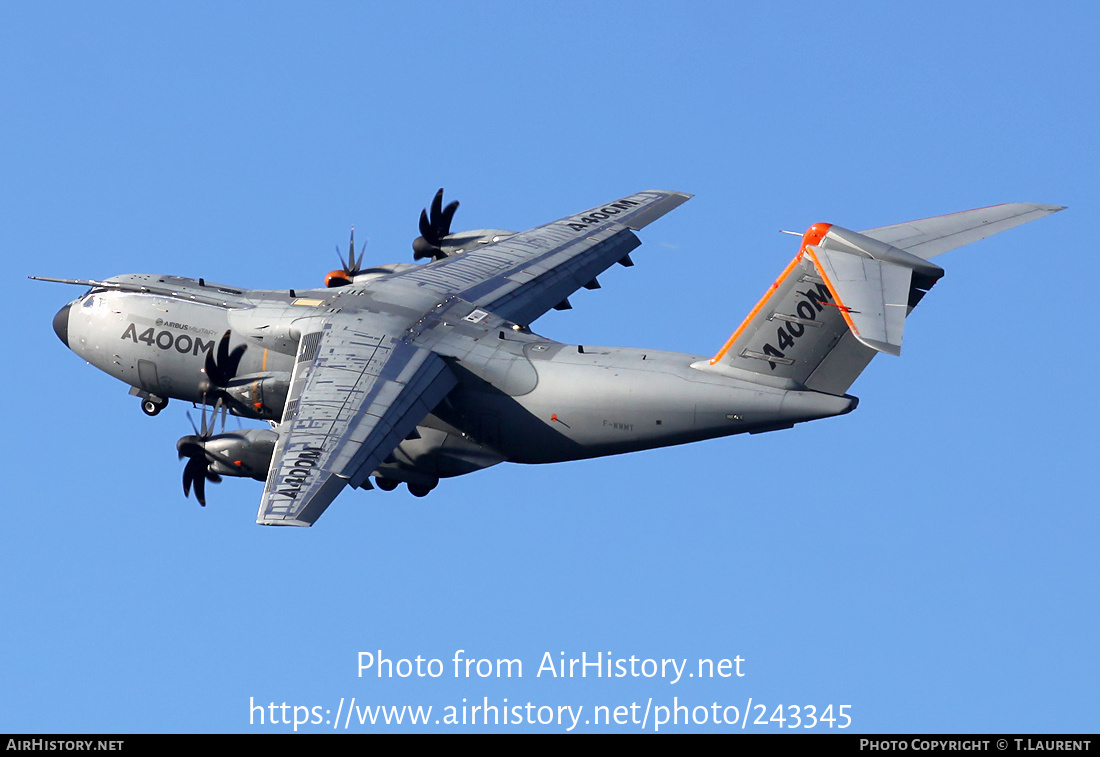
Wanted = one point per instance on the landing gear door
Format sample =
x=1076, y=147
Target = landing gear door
x=487, y=430
x=147, y=375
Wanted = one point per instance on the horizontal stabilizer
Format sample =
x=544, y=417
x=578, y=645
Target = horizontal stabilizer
x=929, y=237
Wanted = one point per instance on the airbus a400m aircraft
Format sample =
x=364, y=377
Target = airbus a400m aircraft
x=409, y=373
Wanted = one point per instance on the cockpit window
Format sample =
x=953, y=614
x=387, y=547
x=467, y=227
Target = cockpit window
x=94, y=304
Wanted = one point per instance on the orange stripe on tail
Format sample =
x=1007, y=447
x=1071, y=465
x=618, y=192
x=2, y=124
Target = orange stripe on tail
x=813, y=236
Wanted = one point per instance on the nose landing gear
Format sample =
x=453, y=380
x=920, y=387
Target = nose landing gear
x=152, y=405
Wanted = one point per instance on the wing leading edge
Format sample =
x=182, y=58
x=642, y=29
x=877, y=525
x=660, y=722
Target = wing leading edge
x=527, y=274
x=929, y=237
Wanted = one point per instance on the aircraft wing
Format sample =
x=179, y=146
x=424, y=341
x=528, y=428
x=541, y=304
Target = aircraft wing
x=526, y=274
x=359, y=387
x=932, y=236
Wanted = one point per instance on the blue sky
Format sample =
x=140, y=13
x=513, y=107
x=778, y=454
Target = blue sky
x=928, y=560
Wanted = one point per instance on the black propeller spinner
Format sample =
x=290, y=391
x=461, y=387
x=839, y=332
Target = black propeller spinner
x=433, y=229
x=193, y=446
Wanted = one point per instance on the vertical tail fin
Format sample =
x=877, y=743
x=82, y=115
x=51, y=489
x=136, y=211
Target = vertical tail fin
x=841, y=300
x=804, y=318
x=845, y=296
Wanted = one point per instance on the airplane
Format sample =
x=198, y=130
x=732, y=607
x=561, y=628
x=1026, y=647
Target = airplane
x=414, y=372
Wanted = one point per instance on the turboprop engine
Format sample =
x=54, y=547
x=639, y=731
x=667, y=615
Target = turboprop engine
x=257, y=395
x=353, y=272
x=434, y=243
x=245, y=453
x=436, y=240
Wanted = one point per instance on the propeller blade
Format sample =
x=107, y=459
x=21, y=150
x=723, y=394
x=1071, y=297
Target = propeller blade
x=235, y=358
x=445, y=220
x=194, y=473
x=200, y=484
x=434, y=227
x=197, y=471
x=220, y=371
x=437, y=205
x=425, y=227
x=223, y=360
x=210, y=367
x=357, y=265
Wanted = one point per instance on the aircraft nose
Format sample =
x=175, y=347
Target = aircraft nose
x=61, y=324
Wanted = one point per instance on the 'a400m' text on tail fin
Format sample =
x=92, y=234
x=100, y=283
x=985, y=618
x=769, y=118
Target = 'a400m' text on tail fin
x=845, y=296
x=842, y=299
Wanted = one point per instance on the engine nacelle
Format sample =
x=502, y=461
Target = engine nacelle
x=431, y=454
x=343, y=278
x=246, y=454
x=271, y=326
x=259, y=395
x=458, y=243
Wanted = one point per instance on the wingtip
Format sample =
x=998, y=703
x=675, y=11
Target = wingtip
x=283, y=522
x=672, y=192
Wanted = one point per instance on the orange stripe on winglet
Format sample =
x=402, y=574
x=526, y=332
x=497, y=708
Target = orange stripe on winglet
x=813, y=235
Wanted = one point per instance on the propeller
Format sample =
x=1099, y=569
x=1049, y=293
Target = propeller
x=354, y=265
x=220, y=370
x=433, y=228
x=193, y=447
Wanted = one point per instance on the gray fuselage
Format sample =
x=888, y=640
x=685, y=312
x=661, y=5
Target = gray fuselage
x=520, y=397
